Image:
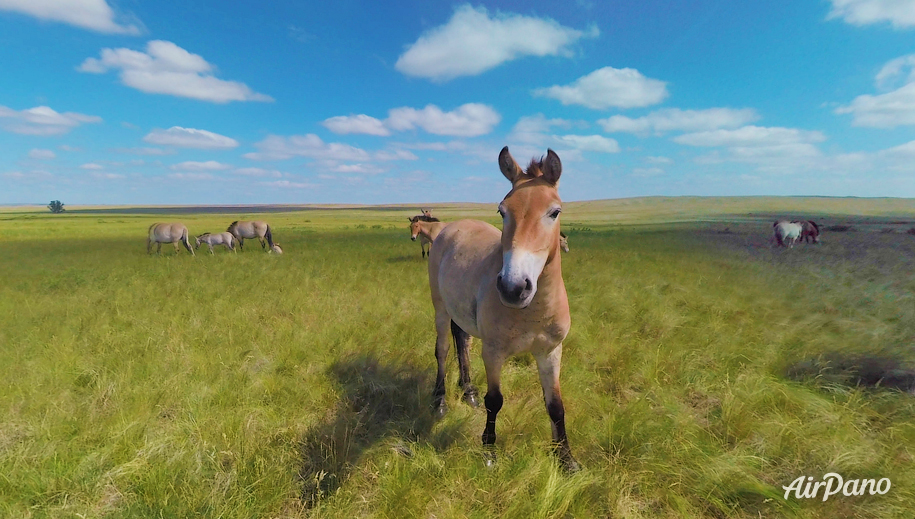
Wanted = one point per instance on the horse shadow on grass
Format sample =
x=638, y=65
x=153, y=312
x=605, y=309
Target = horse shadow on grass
x=380, y=403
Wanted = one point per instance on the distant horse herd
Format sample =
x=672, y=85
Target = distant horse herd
x=235, y=235
x=504, y=287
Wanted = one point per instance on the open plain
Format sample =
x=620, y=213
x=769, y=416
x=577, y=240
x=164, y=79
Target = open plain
x=705, y=368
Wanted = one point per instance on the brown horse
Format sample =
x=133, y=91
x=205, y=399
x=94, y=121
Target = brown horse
x=427, y=231
x=173, y=233
x=506, y=288
x=259, y=230
x=810, y=230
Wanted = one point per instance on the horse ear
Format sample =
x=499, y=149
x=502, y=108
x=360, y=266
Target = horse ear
x=508, y=166
x=551, y=167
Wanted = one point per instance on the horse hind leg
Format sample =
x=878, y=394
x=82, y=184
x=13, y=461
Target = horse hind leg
x=442, y=345
x=462, y=346
x=548, y=367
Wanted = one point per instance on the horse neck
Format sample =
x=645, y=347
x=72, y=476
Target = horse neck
x=551, y=276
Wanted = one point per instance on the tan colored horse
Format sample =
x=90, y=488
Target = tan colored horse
x=260, y=230
x=426, y=231
x=275, y=249
x=173, y=233
x=506, y=288
x=220, y=238
x=563, y=242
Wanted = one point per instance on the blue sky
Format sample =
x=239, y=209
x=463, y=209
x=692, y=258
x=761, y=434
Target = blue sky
x=365, y=102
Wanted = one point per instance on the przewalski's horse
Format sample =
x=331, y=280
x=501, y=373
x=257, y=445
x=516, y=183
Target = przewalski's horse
x=173, y=233
x=220, y=238
x=275, y=249
x=810, y=230
x=260, y=230
x=787, y=233
x=563, y=242
x=506, y=288
x=427, y=231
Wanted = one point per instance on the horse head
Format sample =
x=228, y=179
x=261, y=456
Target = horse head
x=530, y=226
x=563, y=242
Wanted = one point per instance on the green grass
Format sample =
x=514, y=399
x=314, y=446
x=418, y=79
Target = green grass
x=256, y=385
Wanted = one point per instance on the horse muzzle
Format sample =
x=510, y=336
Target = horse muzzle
x=413, y=237
x=515, y=294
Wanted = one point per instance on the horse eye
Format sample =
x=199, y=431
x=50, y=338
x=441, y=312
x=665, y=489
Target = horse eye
x=555, y=214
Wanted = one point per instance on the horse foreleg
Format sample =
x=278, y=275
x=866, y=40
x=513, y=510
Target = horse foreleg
x=462, y=345
x=211, y=249
x=493, y=361
x=177, y=248
x=263, y=243
x=241, y=244
x=442, y=345
x=158, y=248
x=548, y=366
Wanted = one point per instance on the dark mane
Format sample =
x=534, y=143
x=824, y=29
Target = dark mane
x=204, y=234
x=233, y=224
x=423, y=218
x=533, y=169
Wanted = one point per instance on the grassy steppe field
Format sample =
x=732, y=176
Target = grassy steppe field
x=703, y=371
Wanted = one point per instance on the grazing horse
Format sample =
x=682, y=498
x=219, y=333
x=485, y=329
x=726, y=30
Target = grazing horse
x=220, y=238
x=275, y=249
x=173, y=233
x=505, y=288
x=787, y=233
x=259, y=230
x=427, y=231
x=810, y=230
x=563, y=242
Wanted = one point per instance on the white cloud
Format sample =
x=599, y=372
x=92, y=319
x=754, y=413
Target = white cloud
x=896, y=108
x=276, y=147
x=191, y=176
x=472, y=42
x=659, y=160
x=95, y=15
x=42, y=120
x=356, y=124
x=751, y=136
x=40, y=154
x=107, y=176
x=899, y=13
x=609, y=87
x=892, y=75
x=92, y=166
x=166, y=68
x=190, y=138
x=144, y=151
x=674, y=119
x=210, y=165
x=468, y=120
x=597, y=143
x=395, y=155
x=646, y=172
x=287, y=184
x=258, y=172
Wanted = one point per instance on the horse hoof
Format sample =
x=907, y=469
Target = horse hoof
x=440, y=410
x=570, y=466
x=489, y=458
x=472, y=399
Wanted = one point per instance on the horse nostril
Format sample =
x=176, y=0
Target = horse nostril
x=527, y=285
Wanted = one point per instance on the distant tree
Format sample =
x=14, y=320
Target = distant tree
x=56, y=206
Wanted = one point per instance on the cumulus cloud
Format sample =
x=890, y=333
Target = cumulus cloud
x=39, y=154
x=536, y=132
x=258, y=172
x=209, y=165
x=42, y=120
x=674, y=119
x=891, y=109
x=191, y=176
x=899, y=13
x=751, y=136
x=190, y=138
x=361, y=123
x=773, y=148
x=166, y=68
x=469, y=120
x=144, y=151
x=596, y=143
x=276, y=147
x=92, y=166
x=472, y=42
x=95, y=15
x=288, y=184
x=609, y=87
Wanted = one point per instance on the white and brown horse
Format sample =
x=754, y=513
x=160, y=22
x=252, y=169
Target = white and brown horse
x=173, y=233
x=220, y=238
x=787, y=233
x=506, y=288
x=249, y=230
x=426, y=231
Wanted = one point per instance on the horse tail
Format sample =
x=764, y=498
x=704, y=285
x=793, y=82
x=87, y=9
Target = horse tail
x=186, y=241
x=269, y=236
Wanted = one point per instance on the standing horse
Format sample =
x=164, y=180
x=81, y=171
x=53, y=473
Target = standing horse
x=563, y=242
x=173, y=233
x=427, y=231
x=506, y=288
x=220, y=238
x=787, y=233
x=810, y=230
x=259, y=230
